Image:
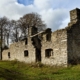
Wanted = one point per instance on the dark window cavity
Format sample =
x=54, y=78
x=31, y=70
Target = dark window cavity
x=8, y=54
x=48, y=37
x=26, y=41
x=26, y=53
x=48, y=53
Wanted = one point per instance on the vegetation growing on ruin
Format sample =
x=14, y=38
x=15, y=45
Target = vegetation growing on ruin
x=15, y=70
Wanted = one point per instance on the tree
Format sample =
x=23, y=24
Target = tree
x=12, y=30
x=9, y=31
x=3, y=24
x=31, y=19
x=15, y=31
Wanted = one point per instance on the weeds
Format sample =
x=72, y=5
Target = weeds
x=15, y=70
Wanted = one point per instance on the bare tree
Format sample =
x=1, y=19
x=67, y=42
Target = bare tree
x=31, y=19
x=14, y=31
x=11, y=30
x=3, y=24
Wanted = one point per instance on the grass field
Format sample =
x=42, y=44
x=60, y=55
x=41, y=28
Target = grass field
x=15, y=70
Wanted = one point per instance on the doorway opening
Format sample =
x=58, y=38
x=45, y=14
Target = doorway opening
x=38, y=55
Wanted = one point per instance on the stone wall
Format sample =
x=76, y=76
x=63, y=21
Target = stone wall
x=53, y=49
x=74, y=43
x=22, y=50
x=73, y=33
x=58, y=44
x=17, y=52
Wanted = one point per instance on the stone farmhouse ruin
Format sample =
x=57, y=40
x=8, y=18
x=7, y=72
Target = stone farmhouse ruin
x=60, y=47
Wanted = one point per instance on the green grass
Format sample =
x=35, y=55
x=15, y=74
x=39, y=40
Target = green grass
x=15, y=70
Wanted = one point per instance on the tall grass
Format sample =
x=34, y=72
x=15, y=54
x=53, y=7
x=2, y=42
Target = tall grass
x=15, y=70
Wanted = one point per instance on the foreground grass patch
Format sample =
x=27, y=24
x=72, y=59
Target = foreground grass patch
x=15, y=70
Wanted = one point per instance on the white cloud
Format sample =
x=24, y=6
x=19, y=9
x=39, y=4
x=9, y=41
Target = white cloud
x=64, y=23
x=43, y=4
x=54, y=17
x=55, y=13
x=13, y=10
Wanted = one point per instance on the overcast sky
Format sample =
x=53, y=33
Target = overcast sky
x=55, y=13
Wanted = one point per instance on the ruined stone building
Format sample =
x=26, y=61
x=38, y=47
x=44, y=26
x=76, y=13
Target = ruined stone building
x=59, y=48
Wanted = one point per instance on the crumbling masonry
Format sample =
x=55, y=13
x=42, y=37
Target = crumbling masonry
x=60, y=48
